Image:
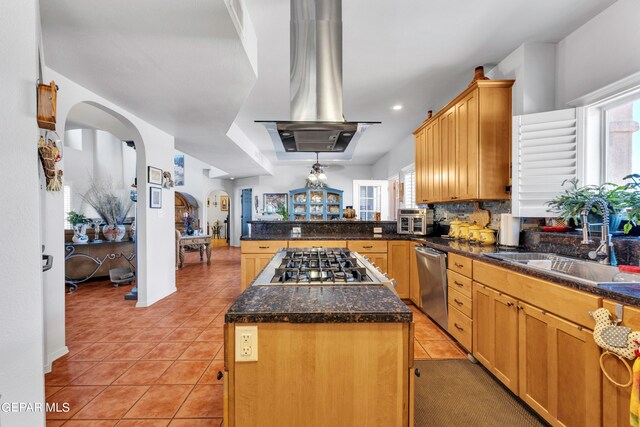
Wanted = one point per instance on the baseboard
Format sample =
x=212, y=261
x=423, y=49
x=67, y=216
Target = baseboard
x=52, y=357
x=143, y=304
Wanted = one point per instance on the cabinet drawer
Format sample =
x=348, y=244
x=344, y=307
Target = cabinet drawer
x=460, y=283
x=367, y=246
x=262, y=246
x=460, y=264
x=461, y=302
x=317, y=243
x=460, y=327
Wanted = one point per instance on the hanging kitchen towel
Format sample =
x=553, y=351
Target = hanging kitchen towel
x=634, y=407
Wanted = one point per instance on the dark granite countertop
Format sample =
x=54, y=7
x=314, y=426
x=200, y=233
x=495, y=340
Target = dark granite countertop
x=626, y=295
x=318, y=304
x=329, y=237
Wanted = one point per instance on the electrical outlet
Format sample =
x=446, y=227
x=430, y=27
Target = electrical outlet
x=377, y=230
x=246, y=343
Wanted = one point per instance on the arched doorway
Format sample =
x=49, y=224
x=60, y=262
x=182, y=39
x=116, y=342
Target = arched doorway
x=104, y=155
x=218, y=218
x=187, y=209
x=100, y=206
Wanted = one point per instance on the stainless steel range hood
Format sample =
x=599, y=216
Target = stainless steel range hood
x=317, y=123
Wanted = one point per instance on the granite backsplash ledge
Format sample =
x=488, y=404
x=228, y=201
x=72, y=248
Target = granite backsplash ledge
x=321, y=228
x=627, y=248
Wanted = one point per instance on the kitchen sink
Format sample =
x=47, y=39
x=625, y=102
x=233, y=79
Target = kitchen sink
x=588, y=272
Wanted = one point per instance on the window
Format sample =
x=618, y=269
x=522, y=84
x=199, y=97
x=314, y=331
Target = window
x=622, y=141
x=371, y=196
x=67, y=206
x=410, y=188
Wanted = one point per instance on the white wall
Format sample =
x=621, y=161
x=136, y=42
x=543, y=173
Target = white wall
x=532, y=66
x=156, y=238
x=21, y=333
x=100, y=156
x=602, y=51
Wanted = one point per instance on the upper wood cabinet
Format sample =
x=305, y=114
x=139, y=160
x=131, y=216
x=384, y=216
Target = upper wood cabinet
x=463, y=152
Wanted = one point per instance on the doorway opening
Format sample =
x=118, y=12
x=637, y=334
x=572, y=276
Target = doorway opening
x=99, y=207
x=246, y=212
x=218, y=218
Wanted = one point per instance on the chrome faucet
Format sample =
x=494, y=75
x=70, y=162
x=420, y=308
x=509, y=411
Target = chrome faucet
x=605, y=253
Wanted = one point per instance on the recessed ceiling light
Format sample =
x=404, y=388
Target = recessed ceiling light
x=397, y=107
x=231, y=178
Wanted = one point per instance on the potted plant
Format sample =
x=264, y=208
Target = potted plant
x=619, y=198
x=283, y=212
x=111, y=207
x=79, y=224
x=633, y=202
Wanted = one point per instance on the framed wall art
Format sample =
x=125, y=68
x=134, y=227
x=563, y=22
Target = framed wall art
x=274, y=201
x=224, y=203
x=178, y=165
x=154, y=175
x=155, y=197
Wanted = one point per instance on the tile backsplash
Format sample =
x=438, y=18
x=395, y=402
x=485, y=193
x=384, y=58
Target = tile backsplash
x=447, y=212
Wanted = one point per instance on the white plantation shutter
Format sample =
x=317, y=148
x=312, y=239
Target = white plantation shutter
x=545, y=154
x=410, y=189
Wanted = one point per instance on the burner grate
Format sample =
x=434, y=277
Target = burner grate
x=320, y=266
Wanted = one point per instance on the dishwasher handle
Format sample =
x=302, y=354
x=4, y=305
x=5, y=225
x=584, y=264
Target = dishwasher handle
x=430, y=252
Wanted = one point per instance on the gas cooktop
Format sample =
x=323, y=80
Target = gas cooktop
x=314, y=266
x=320, y=265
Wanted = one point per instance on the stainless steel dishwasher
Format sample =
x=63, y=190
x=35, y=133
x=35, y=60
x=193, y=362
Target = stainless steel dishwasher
x=432, y=273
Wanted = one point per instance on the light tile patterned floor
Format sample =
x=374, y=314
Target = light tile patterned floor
x=157, y=366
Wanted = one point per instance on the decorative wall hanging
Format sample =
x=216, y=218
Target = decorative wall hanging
x=47, y=98
x=224, y=203
x=167, y=182
x=154, y=175
x=273, y=202
x=155, y=197
x=50, y=153
x=178, y=172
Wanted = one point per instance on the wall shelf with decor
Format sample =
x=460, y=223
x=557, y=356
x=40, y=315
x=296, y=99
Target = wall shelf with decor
x=315, y=204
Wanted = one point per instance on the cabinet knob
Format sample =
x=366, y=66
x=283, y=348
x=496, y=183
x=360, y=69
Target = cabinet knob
x=458, y=302
x=219, y=375
x=458, y=265
x=458, y=327
x=454, y=197
x=263, y=247
x=520, y=308
x=367, y=247
x=509, y=304
x=417, y=372
x=458, y=283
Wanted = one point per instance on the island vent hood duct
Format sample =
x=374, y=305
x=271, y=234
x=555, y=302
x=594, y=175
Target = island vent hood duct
x=317, y=123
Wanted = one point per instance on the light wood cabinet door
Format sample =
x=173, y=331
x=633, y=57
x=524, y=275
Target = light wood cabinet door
x=250, y=266
x=560, y=375
x=495, y=333
x=378, y=259
x=615, y=400
x=414, y=279
x=399, y=268
x=448, y=155
x=435, y=164
x=467, y=145
x=421, y=167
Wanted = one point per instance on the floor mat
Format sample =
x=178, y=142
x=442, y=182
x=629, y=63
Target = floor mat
x=460, y=393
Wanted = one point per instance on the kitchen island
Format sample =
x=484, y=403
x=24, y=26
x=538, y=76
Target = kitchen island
x=327, y=355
